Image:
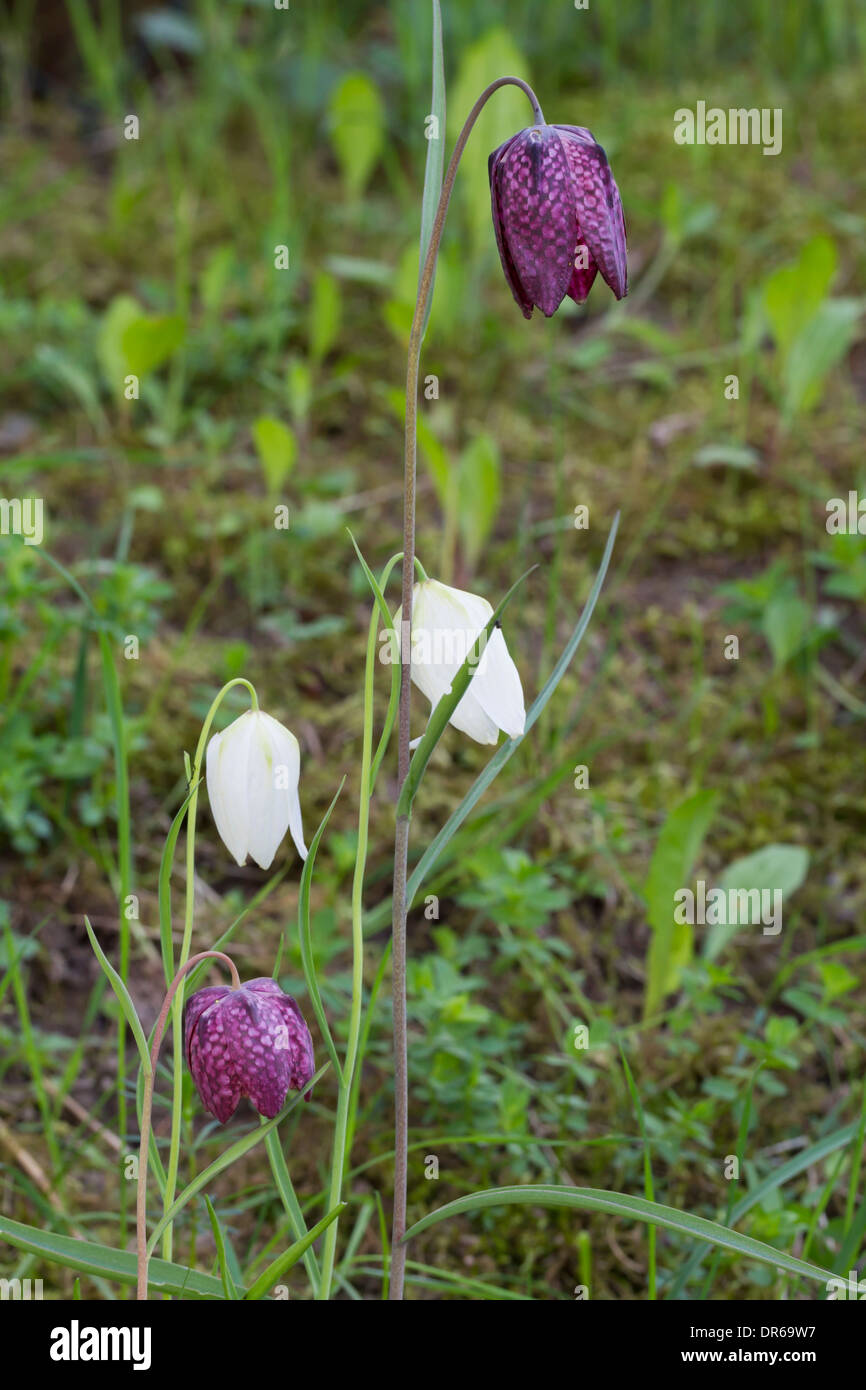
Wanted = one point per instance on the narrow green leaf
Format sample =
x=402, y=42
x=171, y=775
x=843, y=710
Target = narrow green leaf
x=285, y=1187
x=166, y=864
x=444, y=709
x=105, y=1262
x=676, y=849
x=228, y=1283
x=633, y=1208
x=510, y=746
x=225, y=1160
x=305, y=936
x=768, y=1186
x=123, y=997
x=283, y=1263
x=648, y=1187
x=435, y=131
x=387, y=622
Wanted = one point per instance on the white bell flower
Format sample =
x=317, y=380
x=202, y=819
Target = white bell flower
x=253, y=770
x=445, y=626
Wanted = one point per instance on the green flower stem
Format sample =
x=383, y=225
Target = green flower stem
x=174, y=992
x=189, y=911
x=401, y=839
x=339, y=1156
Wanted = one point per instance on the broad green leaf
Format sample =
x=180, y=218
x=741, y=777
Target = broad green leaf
x=357, y=123
x=630, y=1208
x=325, y=314
x=731, y=455
x=277, y=449
x=149, y=341
x=786, y=624
x=478, y=492
x=214, y=279
x=121, y=312
x=781, y=868
x=106, y=1262
x=299, y=389
x=168, y=28
x=676, y=849
x=793, y=293
x=450, y=296
x=825, y=340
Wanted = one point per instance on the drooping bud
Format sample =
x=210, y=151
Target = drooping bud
x=250, y=1041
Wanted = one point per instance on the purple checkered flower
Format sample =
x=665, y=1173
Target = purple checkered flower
x=251, y=1041
x=557, y=216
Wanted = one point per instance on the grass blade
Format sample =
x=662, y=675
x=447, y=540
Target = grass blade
x=633, y=1208
x=284, y=1262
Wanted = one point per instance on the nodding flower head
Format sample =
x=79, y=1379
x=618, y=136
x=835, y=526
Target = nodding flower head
x=446, y=624
x=250, y=1041
x=557, y=216
x=253, y=771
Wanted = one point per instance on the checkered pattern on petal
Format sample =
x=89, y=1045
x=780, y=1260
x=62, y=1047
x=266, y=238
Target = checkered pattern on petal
x=250, y=1041
x=535, y=215
x=210, y=1054
x=600, y=223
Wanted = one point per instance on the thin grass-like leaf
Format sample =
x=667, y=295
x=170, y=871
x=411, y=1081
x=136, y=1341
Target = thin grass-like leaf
x=435, y=154
x=443, y=710
x=106, y=1262
x=225, y=1160
x=510, y=746
x=632, y=1208
x=286, y=1189
x=228, y=1283
x=283, y=1263
x=305, y=936
x=123, y=997
x=166, y=864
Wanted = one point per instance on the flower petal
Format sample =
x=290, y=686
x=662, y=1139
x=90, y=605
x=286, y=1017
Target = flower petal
x=267, y=802
x=255, y=1029
x=210, y=1057
x=599, y=207
x=582, y=277
x=497, y=688
x=226, y=775
x=446, y=623
x=537, y=212
x=511, y=276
